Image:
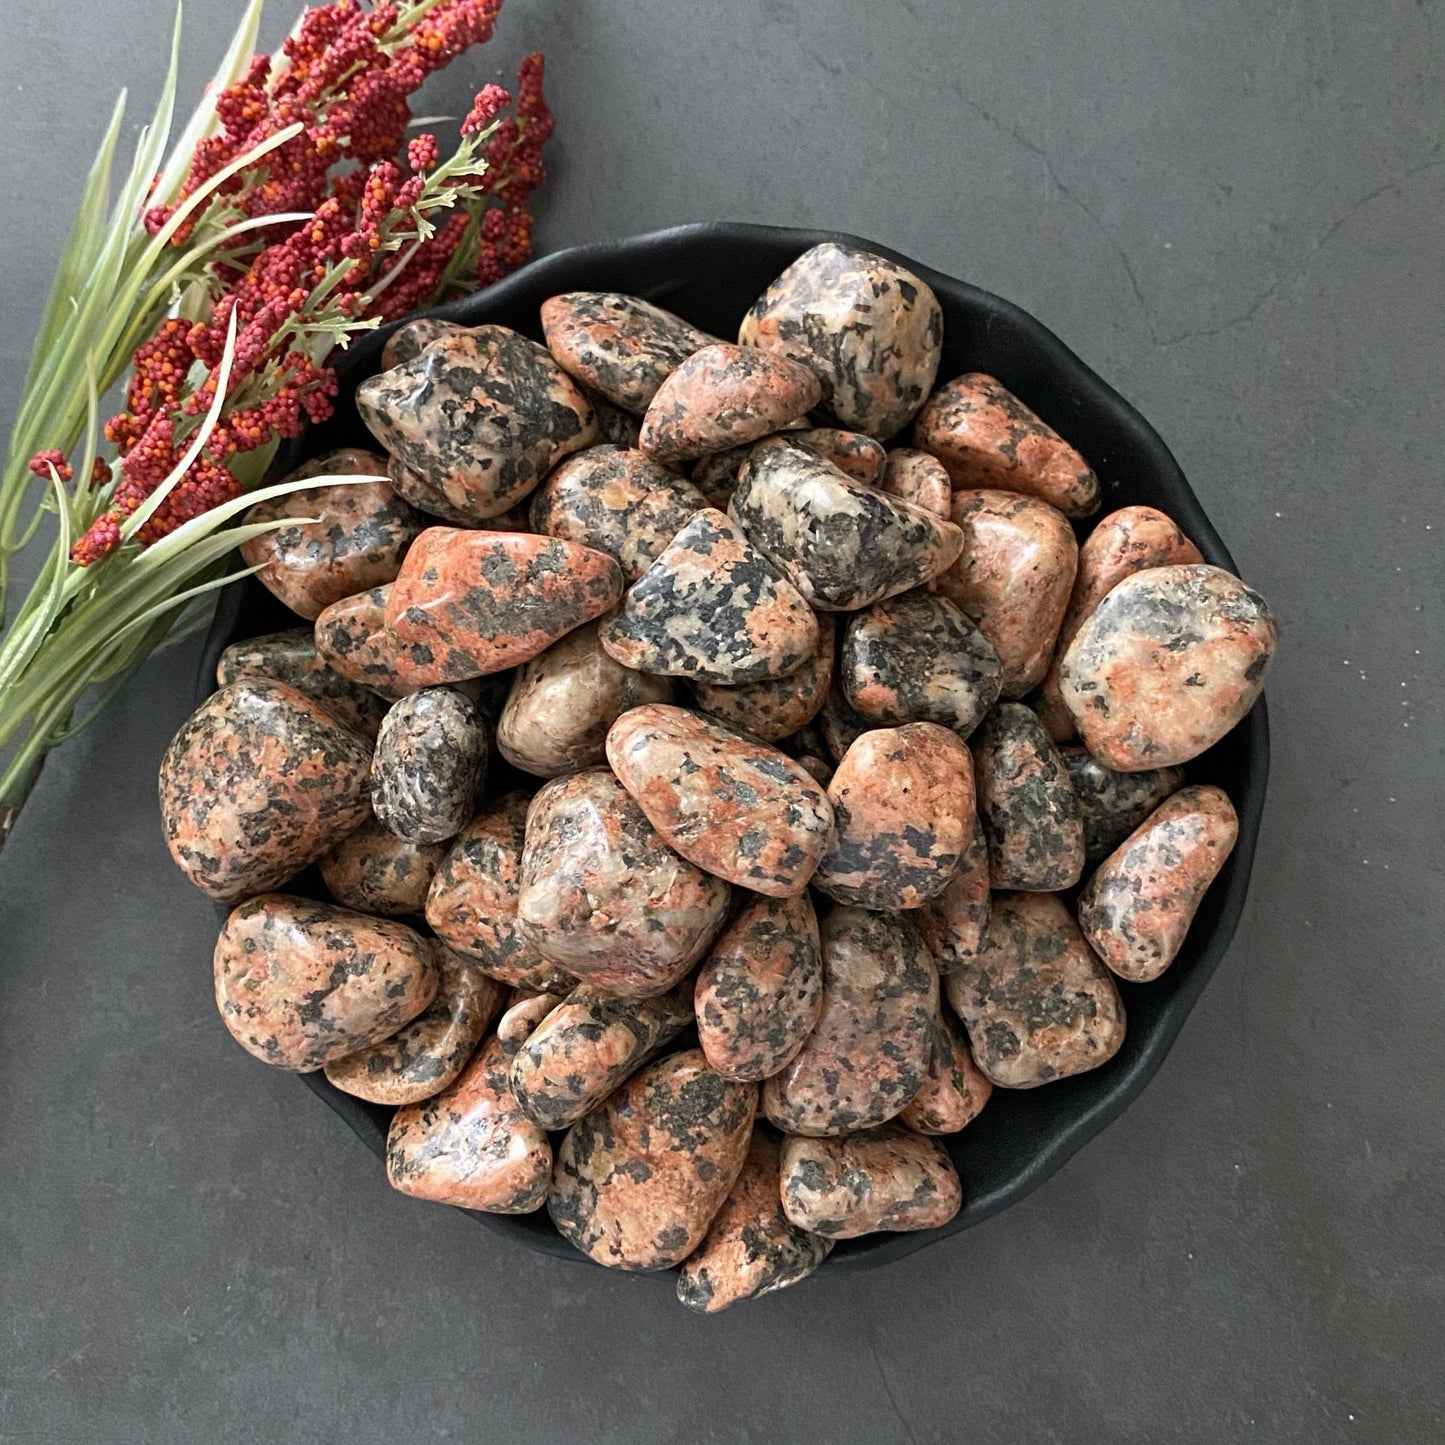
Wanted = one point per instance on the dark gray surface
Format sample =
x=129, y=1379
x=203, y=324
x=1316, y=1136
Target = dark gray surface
x=1234, y=213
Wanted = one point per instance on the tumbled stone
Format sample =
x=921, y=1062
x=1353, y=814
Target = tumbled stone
x=471, y=1145
x=1013, y=579
x=839, y=725
x=954, y=1089
x=374, y=871
x=417, y=492
x=293, y=657
x=716, y=476
x=615, y=427
x=1168, y=663
x=1030, y=813
x=339, y=540
x=562, y=702
x=919, y=479
x=918, y=658
x=879, y=1179
x=620, y=346
x=300, y=983
x=750, y=1249
x=777, y=706
x=952, y=922
x=859, y=456
x=638, y=1180
x=259, y=782
x=843, y=545
x=413, y=337
x=1114, y=804
x=869, y=328
x=1037, y=1004
x=734, y=806
x=1127, y=541
x=903, y=801
x=481, y=415
x=869, y=1052
x=721, y=397
x=426, y=1055
x=615, y=501
x=470, y=603
x=588, y=1045
x=429, y=766
x=604, y=897
x=760, y=992
x=523, y=1016
x=353, y=639
x=472, y=903
x=712, y=607
x=1136, y=910
x=987, y=437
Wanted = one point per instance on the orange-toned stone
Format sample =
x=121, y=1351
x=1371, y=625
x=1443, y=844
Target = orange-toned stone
x=374, y=871
x=859, y=456
x=522, y=1018
x=952, y=922
x=412, y=338
x=775, y=707
x=954, y=1089
x=918, y=479
x=293, y=657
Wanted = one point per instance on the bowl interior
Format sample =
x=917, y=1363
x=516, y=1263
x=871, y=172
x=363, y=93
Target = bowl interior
x=711, y=274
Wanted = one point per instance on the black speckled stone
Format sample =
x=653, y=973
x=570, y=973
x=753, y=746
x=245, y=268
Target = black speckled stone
x=1114, y=804
x=430, y=763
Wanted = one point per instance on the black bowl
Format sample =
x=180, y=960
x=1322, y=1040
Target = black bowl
x=711, y=274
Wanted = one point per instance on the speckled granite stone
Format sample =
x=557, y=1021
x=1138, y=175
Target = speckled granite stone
x=851, y=452
x=615, y=427
x=470, y=1145
x=839, y=725
x=712, y=607
x=300, y=983
x=750, y=1249
x=605, y=898
x=954, y=1089
x=987, y=437
x=869, y=328
x=1030, y=813
x=952, y=922
x=843, y=545
x=1136, y=910
x=374, y=871
x=760, y=992
x=716, y=476
x=480, y=415
x=919, y=479
x=523, y=1016
x=260, y=781
x=869, y=1052
x=432, y=501
x=293, y=657
x=411, y=339
x=638, y=1181
x=775, y=707
x=1168, y=663
x=880, y=1179
x=1037, y=1004
x=353, y=639
x=904, y=805
x=1114, y=804
x=429, y=766
x=736, y=807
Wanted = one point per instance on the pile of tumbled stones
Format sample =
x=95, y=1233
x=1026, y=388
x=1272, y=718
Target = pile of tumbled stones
x=787, y=720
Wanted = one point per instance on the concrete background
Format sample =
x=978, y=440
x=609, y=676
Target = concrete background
x=1233, y=212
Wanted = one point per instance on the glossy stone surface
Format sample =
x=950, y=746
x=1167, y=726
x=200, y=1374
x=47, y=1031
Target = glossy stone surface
x=604, y=897
x=523, y=1015
x=472, y=903
x=374, y=871
x=734, y=806
x=851, y=452
x=293, y=657
x=480, y=415
x=721, y=397
x=300, y=983
x=430, y=500
x=775, y=707
x=353, y=639
x=954, y=1089
x=1166, y=665
x=987, y=437
x=470, y=1145
x=429, y=766
x=1136, y=910
x=904, y=809
x=1030, y=813
x=843, y=545
x=760, y=991
x=356, y=541
x=615, y=501
x=638, y=1180
x=412, y=338
x=869, y=1052
x=750, y=1249
x=425, y=1056
x=918, y=658
x=1114, y=804
x=879, y=1179
x=869, y=328
x=260, y=781
x=586, y=1046
x=562, y=702
x=1013, y=579
x=919, y=479
x=470, y=603
x=712, y=607
x=1037, y=1004
x=620, y=346
x=952, y=922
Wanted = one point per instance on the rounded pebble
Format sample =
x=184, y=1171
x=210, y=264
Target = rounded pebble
x=522, y=1017
x=293, y=657
x=353, y=638
x=374, y=871
x=954, y=1089
x=859, y=456
x=430, y=763
x=1114, y=804
x=919, y=479
x=412, y=338
x=952, y=922
x=775, y=707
